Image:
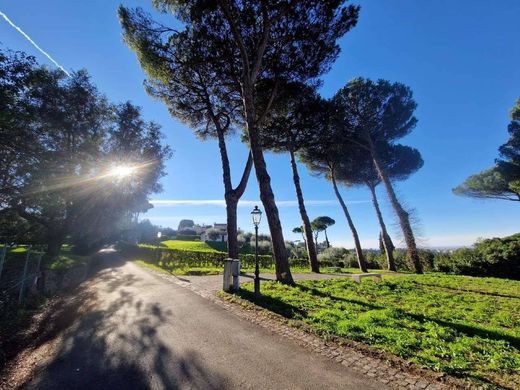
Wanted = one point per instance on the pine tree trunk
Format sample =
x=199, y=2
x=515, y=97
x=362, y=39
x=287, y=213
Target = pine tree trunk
x=307, y=231
x=357, y=244
x=283, y=271
x=387, y=243
x=231, y=213
x=231, y=195
x=402, y=214
x=327, y=239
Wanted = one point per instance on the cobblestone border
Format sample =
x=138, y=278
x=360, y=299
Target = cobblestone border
x=388, y=370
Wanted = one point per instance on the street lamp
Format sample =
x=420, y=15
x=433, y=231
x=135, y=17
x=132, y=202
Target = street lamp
x=256, y=214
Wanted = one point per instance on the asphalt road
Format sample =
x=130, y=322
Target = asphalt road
x=135, y=330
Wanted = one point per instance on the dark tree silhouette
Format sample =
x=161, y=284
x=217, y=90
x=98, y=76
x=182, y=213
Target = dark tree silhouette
x=357, y=168
x=503, y=180
x=375, y=114
x=252, y=46
x=324, y=158
x=62, y=181
x=179, y=76
x=321, y=224
x=18, y=73
x=299, y=230
x=290, y=128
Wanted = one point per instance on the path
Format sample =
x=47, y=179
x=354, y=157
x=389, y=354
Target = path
x=136, y=330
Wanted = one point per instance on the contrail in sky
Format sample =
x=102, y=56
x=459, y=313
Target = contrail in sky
x=33, y=43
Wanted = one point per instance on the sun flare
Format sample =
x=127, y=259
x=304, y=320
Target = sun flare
x=121, y=171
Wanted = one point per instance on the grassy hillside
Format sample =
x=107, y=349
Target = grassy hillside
x=189, y=245
x=464, y=326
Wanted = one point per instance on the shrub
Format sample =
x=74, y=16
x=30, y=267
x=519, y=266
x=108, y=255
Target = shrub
x=375, y=260
x=499, y=257
x=333, y=257
x=178, y=258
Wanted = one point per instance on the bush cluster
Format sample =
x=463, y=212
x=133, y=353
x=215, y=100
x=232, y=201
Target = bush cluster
x=178, y=258
x=498, y=257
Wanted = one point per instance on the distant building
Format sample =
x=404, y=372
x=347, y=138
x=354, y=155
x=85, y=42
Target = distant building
x=200, y=229
x=218, y=229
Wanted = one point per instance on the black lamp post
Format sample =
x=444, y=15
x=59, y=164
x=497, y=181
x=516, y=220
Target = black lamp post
x=256, y=214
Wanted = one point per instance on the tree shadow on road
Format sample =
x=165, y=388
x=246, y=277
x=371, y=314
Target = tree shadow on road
x=107, y=337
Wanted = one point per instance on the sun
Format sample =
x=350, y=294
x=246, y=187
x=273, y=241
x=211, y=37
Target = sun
x=122, y=171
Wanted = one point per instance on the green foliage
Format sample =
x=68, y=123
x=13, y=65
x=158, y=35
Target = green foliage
x=189, y=245
x=195, y=258
x=66, y=261
x=452, y=324
x=219, y=246
x=490, y=183
x=60, y=141
x=499, y=257
x=334, y=257
x=503, y=180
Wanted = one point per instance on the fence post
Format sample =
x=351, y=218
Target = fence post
x=2, y=258
x=22, y=284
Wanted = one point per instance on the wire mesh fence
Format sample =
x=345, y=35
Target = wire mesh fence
x=20, y=273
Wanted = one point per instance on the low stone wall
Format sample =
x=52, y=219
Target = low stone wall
x=63, y=279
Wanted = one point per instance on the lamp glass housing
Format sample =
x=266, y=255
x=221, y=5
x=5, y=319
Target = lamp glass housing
x=256, y=215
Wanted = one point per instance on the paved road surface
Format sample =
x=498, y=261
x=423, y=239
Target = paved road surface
x=137, y=330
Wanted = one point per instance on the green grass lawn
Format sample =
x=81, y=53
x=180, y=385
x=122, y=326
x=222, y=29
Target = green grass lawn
x=67, y=259
x=468, y=327
x=188, y=245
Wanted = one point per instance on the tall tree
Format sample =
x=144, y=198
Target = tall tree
x=290, y=128
x=180, y=76
x=376, y=114
x=135, y=145
x=503, y=180
x=252, y=46
x=323, y=223
x=18, y=72
x=70, y=116
x=357, y=168
x=324, y=158
x=67, y=183
x=299, y=230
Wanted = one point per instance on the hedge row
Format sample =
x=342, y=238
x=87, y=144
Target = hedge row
x=178, y=258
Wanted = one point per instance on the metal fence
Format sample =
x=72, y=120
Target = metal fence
x=20, y=273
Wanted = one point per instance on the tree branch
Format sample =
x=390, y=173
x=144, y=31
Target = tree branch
x=263, y=43
x=269, y=104
x=236, y=34
x=239, y=190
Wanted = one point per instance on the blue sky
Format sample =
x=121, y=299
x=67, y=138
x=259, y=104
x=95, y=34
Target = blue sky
x=459, y=57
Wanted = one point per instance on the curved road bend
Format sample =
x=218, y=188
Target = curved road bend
x=136, y=330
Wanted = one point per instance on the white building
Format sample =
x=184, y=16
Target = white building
x=220, y=227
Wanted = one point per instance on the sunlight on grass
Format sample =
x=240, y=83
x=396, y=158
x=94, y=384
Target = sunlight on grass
x=451, y=324
x=188, y=245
